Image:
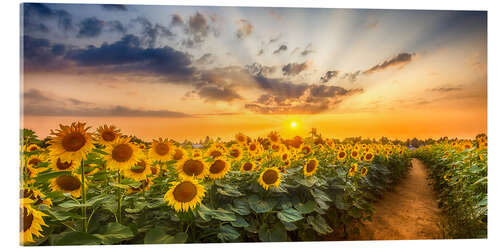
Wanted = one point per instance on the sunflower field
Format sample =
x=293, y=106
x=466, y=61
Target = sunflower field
x=459, y=170
x=81, y=186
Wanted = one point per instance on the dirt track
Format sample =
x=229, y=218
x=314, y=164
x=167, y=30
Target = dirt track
x=409, y=212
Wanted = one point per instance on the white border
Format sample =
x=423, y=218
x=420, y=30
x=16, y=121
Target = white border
x=10, y=119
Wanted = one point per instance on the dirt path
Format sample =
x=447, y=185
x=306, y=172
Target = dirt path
x=409, y=212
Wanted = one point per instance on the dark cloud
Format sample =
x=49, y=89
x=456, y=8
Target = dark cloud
x=399, y=60
x=177, y=20
x=116, y=26
x=352, y=77
x=261, y=52
x=197, y=29
x=213, y=94
x=90, y=27
x=308, y=50
x=40, y=54
x=293, y=69
x=245, y=29
x=282, y=47
x=114, y=7
x=259, y=69
x=447, y=89
x=37, y=103
x=329, y=75
x=151, y=33
x=275, y=39
x=126, y=55
x=36, y=14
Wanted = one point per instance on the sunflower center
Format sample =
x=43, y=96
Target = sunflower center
x=311, y=166
x=122, y=153
x=162, y=149
x=253, y=147
x=341, y=154
x=185, y=192
x=178, y=154
x=63, y=165
x=215, y=154
x=284, y=157
x=27, y=219
x=193, y=167
x=354, y=153
x=217, y=167
x=33, y=148
x=34, y=162
x=108, y=135
x=368, y=156
x=273, y=138
x=235, y=153
x=247, y=166
x=270, y=177
x=73, y=142
x=154, y=170
x=275, y=147
x=141, y=167
x=306, y=150
x=68, y=182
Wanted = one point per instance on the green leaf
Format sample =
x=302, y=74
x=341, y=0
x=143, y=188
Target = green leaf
x=46, y=176
x=229, y=191
x=289, y=226
x=227, y=233
x=77, y=238
x=339, y=202
x=158, y=236
x=275, y=234
x=59, y=215
x=113, y=233
x=319, y=224
x=306, y=181
x=118, y=185
x=240, y=207
x=305, y=208
x=260, y=206
x=72, y=204
x=240, y=222
x=223, y=215
x=289, y=215
x=204, y=212
x=319, y=194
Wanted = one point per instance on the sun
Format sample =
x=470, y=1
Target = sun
x=293, y=124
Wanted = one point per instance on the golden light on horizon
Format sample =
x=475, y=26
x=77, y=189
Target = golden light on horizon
x=293, y=124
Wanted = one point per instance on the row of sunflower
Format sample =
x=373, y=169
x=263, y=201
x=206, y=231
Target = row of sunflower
x=102, y=187
x=459, y=169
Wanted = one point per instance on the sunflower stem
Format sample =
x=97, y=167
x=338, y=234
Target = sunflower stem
x=119, y=200
x=84, y=199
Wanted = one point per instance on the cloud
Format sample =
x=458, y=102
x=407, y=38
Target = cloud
x=352, y=77
x=447, y=89
x=127, y=56
x=36, y=14
x=197, y=29
x=329, y=75
x=37, y=103
x=41, y=54
x=207, y=58
x=214, y=94
x=308, y=50
x=399, y=60
x=261, y=52
x=281, y=48
x=177, y=20
x=273, y=40
x=245, y=29
x=90, y=27
x=293, y=69
x=259, y=69
x=114, y=7
x=152, y=33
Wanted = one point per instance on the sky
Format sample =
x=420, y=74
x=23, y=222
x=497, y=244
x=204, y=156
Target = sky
x=185, y=72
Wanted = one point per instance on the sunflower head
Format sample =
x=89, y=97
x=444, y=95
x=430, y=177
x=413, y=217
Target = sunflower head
x=218, y=169
x=215, y=152
x=36, y=196
x=122, y=154
x=364, y=171
x=31, y=222
x=276, y=147
x=145, y=185
x=254, y=147
x=32, y=148
x=34, y=160
x=184, y=195
x=273, y=136
x=270, y=177
x=107, y=135
x=341, y=155
x=139, y=171
x=353, y=169
x=354, y=154
x=192, y=168
x=59, y=165
x=179, y=154
x=305, y=149
x=311, y=167
x=235, y=152
x=67, y=184
x=161, y=150
x=368, y=156
x=247, y=166
x=72, y=142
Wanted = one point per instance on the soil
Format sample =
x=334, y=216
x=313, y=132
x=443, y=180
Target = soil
x=408, y=212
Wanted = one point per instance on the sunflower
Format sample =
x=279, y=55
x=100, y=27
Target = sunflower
x=364, y=171
x=107, y=135
x=67, y=184
x=161, y=150
x=215, y=152
x=31, y=221
x=285, y=156
x=71, y=143
x=58, y=165
x=254, y=148
x=179, y=154
x=353, y=169
x=36, y=196
x=122, y=154
x=354, y=154
x=184, y=195
x=270, y=177
x=273, y=137
x=311, y=167
x=247, y=167
x=241, y=138
x=341, y=155
x=139, y=171
x=192, y=168
x=467, y=145
x=34, y=160
x=368, y=156
x=197, y=153
x=276, y=147
x=235, y=152
x=218, y=169
x=145, y=185
x=32, y=148
x=305, y=149
x=32, y=172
